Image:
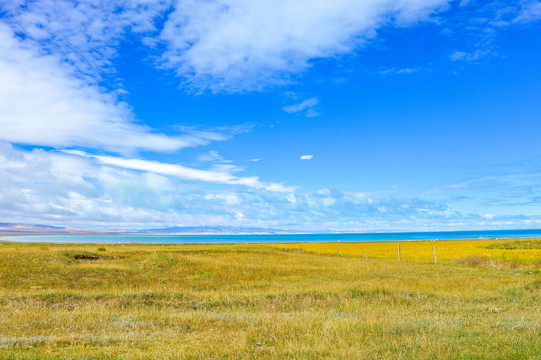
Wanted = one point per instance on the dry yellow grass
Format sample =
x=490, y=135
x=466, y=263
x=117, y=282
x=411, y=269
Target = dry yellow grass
x=256, y=302
x=422, y=251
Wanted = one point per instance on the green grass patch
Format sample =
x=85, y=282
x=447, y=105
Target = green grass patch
x=517, y=244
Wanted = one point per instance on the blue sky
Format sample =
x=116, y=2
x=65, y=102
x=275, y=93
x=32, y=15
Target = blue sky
x=297, y=115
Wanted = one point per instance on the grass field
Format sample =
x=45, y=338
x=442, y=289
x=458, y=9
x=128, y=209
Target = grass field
x=506, y=252
x=135, y=301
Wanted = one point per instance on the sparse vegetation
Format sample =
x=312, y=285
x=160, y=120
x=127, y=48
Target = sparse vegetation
x=474, y=260
x=259, y=302
x=516, y=244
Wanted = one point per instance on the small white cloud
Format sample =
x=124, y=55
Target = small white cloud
x=311, y=113
x=306, y=104
x=470, y=56
x=212, y=156
x=307, y=157
x=458, y=55
x=397, y=71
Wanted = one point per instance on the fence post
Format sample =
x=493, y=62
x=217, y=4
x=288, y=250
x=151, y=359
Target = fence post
x=398, y=252
x=435, y=259
x=319, y=251
x=297, y=248
x=286, y=247
x=336, y=252
x=366, y=254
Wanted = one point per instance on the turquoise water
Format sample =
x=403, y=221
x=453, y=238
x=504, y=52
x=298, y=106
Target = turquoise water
x=277, y=238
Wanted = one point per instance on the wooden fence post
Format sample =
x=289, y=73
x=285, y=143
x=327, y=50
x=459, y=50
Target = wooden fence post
x=435, y=259
x=336, y=252
x=319, y=251
x=398, y=252
x=297, y=248
x=366, y=254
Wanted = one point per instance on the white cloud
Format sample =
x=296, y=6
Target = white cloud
x=212, y=156
x=71, y=190
x=301, y=106
x=307, y=105
x=219, y=174
x=84, y=33
x=311, y=113
x=397, y=71
x=530, y=11
x=246, y=45
x=42, y=103
x=481, y=22
x=307, y=157
x=470, y=56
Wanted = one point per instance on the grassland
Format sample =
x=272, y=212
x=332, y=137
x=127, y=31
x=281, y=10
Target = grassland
x=136, y=301
x=514, y=252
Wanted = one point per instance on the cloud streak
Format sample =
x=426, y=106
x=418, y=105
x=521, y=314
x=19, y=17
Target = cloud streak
x=307, y=105
x=222, y=174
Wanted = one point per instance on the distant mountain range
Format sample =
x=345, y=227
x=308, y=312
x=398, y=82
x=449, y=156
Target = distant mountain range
x=209, y=230
x=31, y=229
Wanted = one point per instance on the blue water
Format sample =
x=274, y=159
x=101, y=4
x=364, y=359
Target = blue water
x=278, y=238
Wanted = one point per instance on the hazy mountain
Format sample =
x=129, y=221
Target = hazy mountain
x=21, y=229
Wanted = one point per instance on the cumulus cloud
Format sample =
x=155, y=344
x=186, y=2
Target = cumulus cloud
x=225, y=45
x=69, y=189
x=307, y=157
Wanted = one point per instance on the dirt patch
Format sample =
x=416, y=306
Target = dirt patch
x=473, y=260
x=84, y=256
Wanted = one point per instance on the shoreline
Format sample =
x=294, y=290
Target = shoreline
x=13, y=239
